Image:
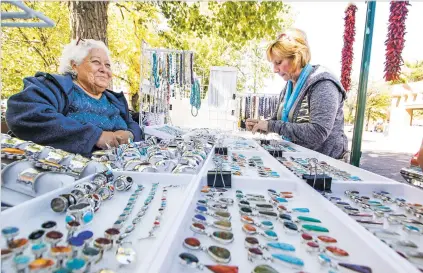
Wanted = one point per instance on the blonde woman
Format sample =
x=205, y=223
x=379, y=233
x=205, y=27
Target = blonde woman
x=310, y=106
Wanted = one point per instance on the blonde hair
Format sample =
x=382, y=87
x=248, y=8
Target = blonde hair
x=292, y=45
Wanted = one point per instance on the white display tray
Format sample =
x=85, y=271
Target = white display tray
x=401, y=190
x=268, y=161
x=364, y=248
x=30, y=215
x=361, y=173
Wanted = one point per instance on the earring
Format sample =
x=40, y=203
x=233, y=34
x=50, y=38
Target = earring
x=74, y=74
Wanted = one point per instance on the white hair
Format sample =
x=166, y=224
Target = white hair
x=77, y=53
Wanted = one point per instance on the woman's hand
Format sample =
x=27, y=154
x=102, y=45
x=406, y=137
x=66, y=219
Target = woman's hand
x=123, y=136
x=260, y=126
x=107, y=140
x=249, y=123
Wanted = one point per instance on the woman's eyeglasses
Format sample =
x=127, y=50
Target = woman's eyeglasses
x=80, y=40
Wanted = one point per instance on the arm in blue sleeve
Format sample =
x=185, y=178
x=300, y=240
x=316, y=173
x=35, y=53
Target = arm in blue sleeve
x=134, y=128
x=36, y=114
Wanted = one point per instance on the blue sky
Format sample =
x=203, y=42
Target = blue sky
x=324, y=24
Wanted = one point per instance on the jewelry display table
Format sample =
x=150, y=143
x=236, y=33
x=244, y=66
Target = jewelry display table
x=360, y=226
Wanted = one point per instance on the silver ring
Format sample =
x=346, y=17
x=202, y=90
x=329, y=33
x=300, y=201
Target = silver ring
x=28, y=178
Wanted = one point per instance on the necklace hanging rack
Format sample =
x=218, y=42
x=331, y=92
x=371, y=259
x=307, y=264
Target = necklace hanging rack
x=171, y=72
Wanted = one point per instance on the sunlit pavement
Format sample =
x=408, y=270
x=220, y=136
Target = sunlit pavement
x=387, y=155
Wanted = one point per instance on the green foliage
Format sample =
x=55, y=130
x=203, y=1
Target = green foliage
x=227, y=33
x=220, y=34
x=378, y=101
x=28, y=50
x=235, y=22
x=415, y=73
x=129, y=24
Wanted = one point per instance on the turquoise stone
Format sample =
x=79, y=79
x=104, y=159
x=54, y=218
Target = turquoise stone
x=281, y=200
x=62, y=270
x=271, y=233
x=324, y=258
x=39, y=246
x=289, y=259
x=308, y=219
x=302, y=210
x=21, y=259
x=88, y=217
x=315, y=228
x=75, y=264
x=9, y=230
x=267, y=224
x=68, y=218
x=281, y=246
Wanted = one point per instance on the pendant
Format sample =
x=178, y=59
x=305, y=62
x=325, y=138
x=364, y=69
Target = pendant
x=219, y=254
x=300, y=210
x=315, y=228
x=281, y=208
x=192, y=261
x=282, y=246
x=288, y=260
x=406, y=244
x=412, y=229
x=254, y=253
x=253, y=242
x=264, y=268
x=224, y=237
x=76, y=265
x=386, y=234
x=326, y=239
x=324, y=259
x=356, y=268
x=306, y=237
x=290, y=227
x=222, y=268
x=262, y=224
x=285, y=216
x=307, y=219
x=336, y=252
x=370, y=224
x=395, y=219
x=41, y=264
x=312, y=247
x=38, y=250
x=268, y=214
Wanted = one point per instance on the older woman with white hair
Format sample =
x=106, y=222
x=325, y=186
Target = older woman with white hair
x=73, y=111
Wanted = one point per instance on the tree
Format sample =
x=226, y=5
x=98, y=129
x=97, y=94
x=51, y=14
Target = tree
x=378, y=101
x=229, y=20
x=131, y=22
x=252, y=65
x=377, y=104
x=413, y=72
x=28, y=50
x=89, y=19
x=222, y=33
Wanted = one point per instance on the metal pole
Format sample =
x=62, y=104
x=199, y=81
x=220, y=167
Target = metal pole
x=362, y=85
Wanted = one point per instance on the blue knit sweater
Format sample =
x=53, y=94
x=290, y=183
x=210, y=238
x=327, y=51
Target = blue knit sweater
x=99, y=112
x=42, y=112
